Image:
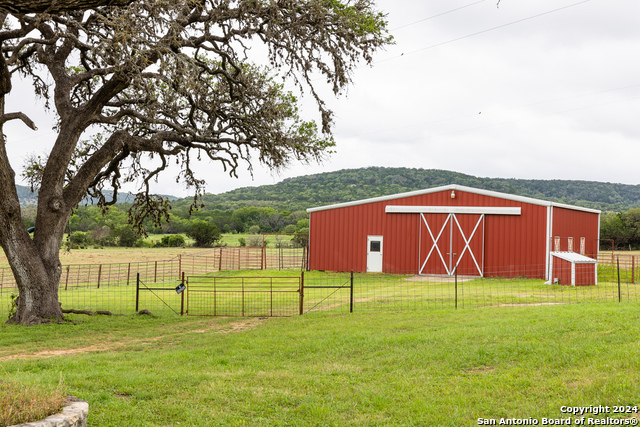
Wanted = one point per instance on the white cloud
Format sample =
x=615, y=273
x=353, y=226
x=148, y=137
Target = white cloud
x=545, y=95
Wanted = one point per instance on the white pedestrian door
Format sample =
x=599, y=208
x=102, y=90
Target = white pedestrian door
x=374, y=254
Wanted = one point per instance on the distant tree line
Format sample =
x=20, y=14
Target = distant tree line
x=355, y=184
x=623, y=228
x=228, y=214
x=89, y=226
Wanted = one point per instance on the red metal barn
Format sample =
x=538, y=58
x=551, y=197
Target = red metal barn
x=435, y=231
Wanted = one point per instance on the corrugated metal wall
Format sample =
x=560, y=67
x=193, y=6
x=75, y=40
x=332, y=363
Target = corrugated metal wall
x=570, y=223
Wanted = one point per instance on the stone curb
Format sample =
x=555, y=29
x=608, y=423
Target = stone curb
x=74, y=414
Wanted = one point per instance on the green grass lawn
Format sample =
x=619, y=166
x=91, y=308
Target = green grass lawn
x=415, y=367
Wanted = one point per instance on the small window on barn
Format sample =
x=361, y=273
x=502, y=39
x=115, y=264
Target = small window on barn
x=374, y=246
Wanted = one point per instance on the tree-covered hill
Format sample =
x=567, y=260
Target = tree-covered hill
x=29, y=198
x=355, y=184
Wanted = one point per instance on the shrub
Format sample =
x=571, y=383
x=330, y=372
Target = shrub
x=125, y=236
x=13, y=306
x=203, y=233
x=255, y=240
x=79, y=238
x=172, y=241
x=302, y=225
x=301, y=239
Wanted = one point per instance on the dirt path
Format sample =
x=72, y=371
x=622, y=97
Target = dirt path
x=227, y=328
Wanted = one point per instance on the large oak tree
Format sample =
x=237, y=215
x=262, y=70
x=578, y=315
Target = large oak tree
x=155, y=82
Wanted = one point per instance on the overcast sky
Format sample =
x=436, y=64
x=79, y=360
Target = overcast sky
x=533, y=89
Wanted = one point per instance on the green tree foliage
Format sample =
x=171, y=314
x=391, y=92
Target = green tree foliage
x=79, y=238
x=172, y=241
x=623, y=228
x=275, y=207
x=203, y=233
x=108, y=229
x=125, y=236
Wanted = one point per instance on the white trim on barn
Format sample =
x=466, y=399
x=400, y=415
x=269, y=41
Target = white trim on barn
x=574, y=257
x=549, y=258
x=453, y=187
x=449, y=266
x=481, y=210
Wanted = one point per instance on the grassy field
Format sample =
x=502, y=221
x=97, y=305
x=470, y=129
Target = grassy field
x=404, y=358
x=409, y=368
x=112, y=255
x=228, y=239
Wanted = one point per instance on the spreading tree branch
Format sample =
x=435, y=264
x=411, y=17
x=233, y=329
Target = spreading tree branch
x=56, y=6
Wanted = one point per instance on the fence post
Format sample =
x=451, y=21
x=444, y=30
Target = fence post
x=155, y=273
x=633, y=269
x=180, y=267
x=304, y=258
x=301, y=293
x=128, y=273
x=99, y=274
x=455, y=275
x=618, y=265
x=66, y=280
x=182, y=295
x=351, y=296
x=137, y=290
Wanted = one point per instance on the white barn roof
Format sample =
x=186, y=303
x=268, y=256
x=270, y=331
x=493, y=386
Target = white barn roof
x=454, y=187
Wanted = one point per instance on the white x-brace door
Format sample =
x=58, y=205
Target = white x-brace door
x=452, y=236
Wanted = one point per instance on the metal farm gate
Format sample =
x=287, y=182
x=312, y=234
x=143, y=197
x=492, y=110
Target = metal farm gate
x=244, y=296
x=263, y=296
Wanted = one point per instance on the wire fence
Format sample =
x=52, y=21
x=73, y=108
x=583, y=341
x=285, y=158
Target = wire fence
x=249, y=288
x=112, y=287
x=243, y=296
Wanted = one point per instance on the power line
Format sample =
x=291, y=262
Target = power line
x=483, y=31
x=436, y=16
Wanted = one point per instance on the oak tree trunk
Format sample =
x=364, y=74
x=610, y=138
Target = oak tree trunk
x=35, y=263
x=37, y=273
x=38, y=290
